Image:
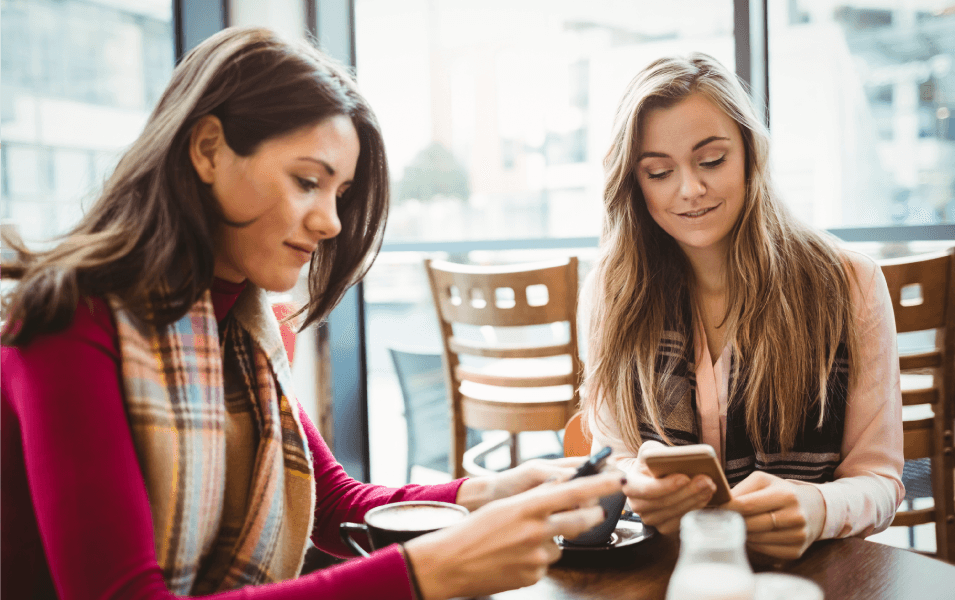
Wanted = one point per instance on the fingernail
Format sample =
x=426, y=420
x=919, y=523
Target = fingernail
x=702, y=485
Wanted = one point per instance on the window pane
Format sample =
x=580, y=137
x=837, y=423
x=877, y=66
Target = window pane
x=496, y=116
x=79, y=80
x=861, y=103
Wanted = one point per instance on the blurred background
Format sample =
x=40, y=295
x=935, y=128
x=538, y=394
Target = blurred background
x=496, y=116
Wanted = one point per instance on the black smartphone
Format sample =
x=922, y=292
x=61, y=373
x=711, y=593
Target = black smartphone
x=593, y=464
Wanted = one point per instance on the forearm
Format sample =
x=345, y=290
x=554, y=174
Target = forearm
x=858, y=506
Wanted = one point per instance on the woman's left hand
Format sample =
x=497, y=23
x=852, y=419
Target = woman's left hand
x=782, y=518
x=478, y=491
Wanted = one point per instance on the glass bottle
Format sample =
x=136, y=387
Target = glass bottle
x=712, y=563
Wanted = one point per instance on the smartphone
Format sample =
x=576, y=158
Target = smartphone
x=602, y=534
x=690, y=460
x=593, y=464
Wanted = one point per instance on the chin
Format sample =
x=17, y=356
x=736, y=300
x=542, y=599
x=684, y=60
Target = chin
x=275, y=282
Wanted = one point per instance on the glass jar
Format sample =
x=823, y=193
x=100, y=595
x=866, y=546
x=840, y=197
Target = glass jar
x=712, y=563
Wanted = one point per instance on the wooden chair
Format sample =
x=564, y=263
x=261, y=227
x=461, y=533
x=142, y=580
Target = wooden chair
x=923, y=298
x=576, y=440
x=496, y=384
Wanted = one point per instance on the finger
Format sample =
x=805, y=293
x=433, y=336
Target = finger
x=552, y=552
x=778, y=551
x=658, y=513
x=578, y=492
x=652, y=488
x=645, y=495
x=780, y=537
x=570, y=462
x=760, y=501
x=572, y=523
x=756, y=480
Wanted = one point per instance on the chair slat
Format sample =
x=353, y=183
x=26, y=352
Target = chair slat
x=920, y=396
x=924, y=360
x=534, y=416
x=918, y=436
x=911, y=518
x=504, y=351
x=935, y=276
x=466, y=374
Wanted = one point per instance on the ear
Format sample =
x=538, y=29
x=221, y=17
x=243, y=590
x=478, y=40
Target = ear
x=205, y=143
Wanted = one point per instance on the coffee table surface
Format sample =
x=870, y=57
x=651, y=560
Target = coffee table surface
x=850, y=569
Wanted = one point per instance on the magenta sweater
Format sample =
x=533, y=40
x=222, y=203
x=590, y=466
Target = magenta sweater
x=76, y=522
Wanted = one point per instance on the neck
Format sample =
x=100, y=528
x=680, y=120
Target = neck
x=709, y=270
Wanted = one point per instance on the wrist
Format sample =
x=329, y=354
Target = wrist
x=435, y=577
x=476, y=492
x=815, y=503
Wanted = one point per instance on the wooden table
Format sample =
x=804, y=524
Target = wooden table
x=849, y=569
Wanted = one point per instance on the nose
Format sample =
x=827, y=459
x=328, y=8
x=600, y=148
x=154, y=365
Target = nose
x=691, y=186
x=322, y=219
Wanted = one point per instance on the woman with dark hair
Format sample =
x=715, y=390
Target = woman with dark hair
x=152, y=445
x=724, y=320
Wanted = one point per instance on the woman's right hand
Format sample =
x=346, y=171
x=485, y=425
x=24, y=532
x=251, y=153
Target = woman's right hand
x=508, y=543
x=663, y=502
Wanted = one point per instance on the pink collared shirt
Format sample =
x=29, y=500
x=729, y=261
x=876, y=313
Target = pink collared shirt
x=867, y=489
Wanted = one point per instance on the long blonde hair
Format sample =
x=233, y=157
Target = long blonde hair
x=788, y=306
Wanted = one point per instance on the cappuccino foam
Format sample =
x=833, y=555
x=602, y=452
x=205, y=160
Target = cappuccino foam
x=415, y=518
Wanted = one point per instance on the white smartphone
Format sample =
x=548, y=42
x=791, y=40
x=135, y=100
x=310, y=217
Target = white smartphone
x=690, y=460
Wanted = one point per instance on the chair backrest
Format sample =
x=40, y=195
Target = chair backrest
x=421, y=378
x=576, y=440
x=922, y=289
x=510, y=298
x=427, y=416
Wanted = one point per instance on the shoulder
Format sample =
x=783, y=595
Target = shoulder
x=870, y=298
x=92, y=325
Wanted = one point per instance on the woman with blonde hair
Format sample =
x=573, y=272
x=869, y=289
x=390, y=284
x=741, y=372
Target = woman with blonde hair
x=724, y=320
x=152, y=443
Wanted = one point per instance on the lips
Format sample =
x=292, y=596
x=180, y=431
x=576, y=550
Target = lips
x=302, y=247
x=302, y=252
x=698, y=213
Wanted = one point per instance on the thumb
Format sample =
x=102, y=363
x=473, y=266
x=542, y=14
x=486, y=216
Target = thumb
x=647, y=445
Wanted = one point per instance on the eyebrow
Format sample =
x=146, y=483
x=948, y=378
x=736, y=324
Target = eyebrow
x=328, y=167
x=697, y=146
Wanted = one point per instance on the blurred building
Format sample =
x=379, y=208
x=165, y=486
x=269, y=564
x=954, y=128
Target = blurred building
x=79, y=79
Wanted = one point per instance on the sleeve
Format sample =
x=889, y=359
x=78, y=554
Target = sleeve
x=88, y=494
x=340, y=498
x=868, y=483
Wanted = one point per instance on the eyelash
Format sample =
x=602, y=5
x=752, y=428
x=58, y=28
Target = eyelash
x=307, y=185
x=708, y=165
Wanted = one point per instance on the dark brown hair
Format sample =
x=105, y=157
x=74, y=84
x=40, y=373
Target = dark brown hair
x=155, y=220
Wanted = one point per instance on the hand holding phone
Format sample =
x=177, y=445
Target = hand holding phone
x=594, y=464
x=612, y=505
x=690, y=460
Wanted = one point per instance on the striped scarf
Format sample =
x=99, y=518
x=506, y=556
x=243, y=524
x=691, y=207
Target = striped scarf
x=816, y=452
x=220, y=445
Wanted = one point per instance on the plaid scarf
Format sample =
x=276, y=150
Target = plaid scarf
x=816, y=452
x=220, y=445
